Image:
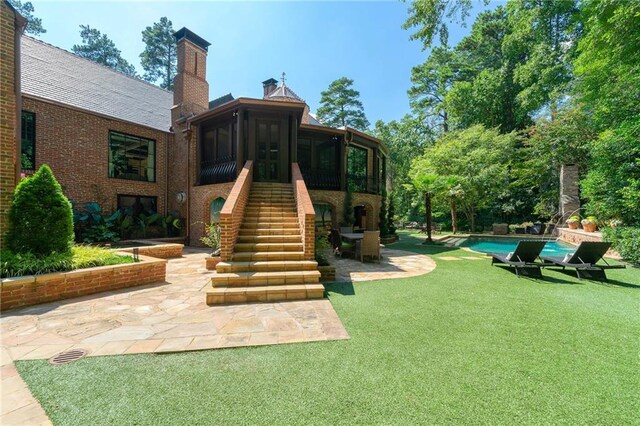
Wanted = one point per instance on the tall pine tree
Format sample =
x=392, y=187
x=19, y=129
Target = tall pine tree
x=34, y=25
x=340, y=106
x=101, y=49
x=159, y=56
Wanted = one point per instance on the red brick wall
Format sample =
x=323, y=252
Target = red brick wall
x=75, y=144
x=306, y=213
x=336, y=200
x=7, y=113
x=31, y=290
x=159, y=251
x=232, y=212
x=201, y=198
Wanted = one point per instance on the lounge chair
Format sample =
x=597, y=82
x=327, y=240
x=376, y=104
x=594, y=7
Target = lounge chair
x=369, y=245
x=585, y=260
x=523, y=258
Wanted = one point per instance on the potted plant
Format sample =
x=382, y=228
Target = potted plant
x=211, y=238
x=589, y=224
x=573, y=221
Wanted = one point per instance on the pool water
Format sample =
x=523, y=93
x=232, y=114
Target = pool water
x=507, y=245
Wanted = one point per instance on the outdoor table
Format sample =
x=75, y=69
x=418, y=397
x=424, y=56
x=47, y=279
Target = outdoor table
x=352, y=236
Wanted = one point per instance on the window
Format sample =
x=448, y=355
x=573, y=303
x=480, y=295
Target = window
x=219, y=142
x=357, y=168
x=304, y=154
x=135, y=204
x=214, y=210
x=132, y=157
x=28, y=146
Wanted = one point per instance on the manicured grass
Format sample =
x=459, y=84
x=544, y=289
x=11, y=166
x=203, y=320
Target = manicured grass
x=80, y=256
x=468, y=343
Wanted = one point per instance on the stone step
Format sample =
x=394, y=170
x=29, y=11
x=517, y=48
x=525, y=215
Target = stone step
x=271, y=225
x=287, y=192
x=266, y=208
x=251, y=279
x=227, y=295
x=240, y=247
x=270, y=185
x=269, y=239
x=254, y=256
x=272, y=203
x=268, y=231
x=267, y=266
x=269, y=214
x=252, y=219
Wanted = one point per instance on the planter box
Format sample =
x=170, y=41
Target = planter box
x=327, y=273
x=34, y=289
x=389, y=239
x=210, y=262
x=160, y=250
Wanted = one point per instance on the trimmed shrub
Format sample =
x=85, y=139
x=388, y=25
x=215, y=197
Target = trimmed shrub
x=40, y=216
x=626, y=241
x=348, y=218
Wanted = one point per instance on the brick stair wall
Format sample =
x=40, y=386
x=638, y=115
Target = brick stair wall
x=270, y=259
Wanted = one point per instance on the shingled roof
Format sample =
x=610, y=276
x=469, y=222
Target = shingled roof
x=52, y=73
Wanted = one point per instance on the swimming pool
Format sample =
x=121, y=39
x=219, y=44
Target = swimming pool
x=507, y=245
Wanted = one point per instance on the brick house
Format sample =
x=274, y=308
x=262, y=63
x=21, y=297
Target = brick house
x=121, y=141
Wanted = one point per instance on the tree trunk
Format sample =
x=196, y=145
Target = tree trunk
x=445, y=122
x=472, y=219
x=454, y=216
x=427, y=206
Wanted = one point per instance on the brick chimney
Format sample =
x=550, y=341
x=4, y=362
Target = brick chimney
x=190, y=87
x=269, y=86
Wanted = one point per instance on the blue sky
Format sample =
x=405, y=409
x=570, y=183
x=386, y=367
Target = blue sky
x=313, y=42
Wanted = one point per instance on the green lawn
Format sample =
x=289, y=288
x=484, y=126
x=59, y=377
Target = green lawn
x=468, y=343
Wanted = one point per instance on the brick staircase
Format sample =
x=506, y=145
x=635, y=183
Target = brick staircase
x=268, y=260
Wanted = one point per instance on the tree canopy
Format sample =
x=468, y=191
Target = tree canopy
x=159, y=58
x=101, y=49
x=340, y=105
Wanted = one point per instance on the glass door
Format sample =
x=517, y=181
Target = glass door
x=268, y=151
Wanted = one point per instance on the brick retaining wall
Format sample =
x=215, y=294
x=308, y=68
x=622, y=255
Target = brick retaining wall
x=306, y=213
x=34, y=289
x=232, y=212
x=160, y=251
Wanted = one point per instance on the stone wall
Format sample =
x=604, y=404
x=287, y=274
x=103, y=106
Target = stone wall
x=31, y=290
x=569, y=191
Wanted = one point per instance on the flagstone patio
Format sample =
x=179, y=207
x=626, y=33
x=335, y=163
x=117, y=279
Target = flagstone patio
x=170, y=317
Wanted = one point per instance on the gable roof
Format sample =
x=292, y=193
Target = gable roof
x=54, y=74
x=221, y=100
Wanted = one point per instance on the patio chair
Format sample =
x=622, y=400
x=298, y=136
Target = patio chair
x=523, y=258
x=340, y=247
x=584, y=260
x=369, y=245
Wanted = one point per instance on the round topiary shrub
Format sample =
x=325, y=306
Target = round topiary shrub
x=40, y=217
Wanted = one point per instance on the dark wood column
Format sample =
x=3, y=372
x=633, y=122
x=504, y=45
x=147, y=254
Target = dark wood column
x=240, y=154
x=343, y=164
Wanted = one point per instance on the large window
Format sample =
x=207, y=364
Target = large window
x=28, y=147
x=319, y=160
x=135, y=204
x=218, y=142
x=357, y=168
x=132, y=157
